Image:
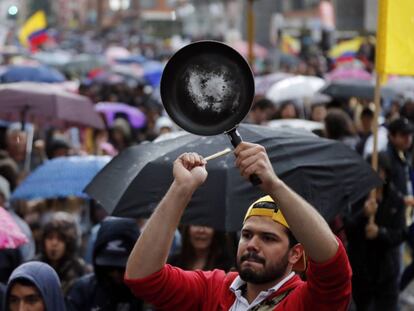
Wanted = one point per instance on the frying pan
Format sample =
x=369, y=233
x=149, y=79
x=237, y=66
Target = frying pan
x=207, y=88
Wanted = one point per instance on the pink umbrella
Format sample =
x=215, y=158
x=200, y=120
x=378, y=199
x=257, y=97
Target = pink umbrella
x=10, y=234
x=242, y=47
x=46, y=104
x=115, y=52
x=349, y=74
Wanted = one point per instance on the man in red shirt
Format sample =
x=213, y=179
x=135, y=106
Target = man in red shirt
x=266, y=256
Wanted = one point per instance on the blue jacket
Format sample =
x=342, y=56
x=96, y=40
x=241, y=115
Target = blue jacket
x=46, y=281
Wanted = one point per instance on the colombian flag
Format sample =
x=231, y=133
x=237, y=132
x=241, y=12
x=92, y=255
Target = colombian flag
x=395, y=37
x=290, y=45
x=33, y=32
x=346, y=49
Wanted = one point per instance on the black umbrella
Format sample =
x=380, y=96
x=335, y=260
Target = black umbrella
x=325, y=172
x=356, y=88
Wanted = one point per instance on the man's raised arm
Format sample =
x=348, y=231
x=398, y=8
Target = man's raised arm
x=307, y=225
x=151, y=249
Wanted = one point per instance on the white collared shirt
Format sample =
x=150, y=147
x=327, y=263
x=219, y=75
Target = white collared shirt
x=241, y=303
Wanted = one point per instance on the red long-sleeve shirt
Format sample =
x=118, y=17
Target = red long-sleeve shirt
x=328, y=288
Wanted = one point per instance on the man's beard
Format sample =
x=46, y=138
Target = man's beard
x=268, y=274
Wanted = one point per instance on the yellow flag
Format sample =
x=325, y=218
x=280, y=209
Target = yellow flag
x=395, y=37
x=36, y=23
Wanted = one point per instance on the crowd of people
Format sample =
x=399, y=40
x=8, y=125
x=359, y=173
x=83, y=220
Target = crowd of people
x=111, y=263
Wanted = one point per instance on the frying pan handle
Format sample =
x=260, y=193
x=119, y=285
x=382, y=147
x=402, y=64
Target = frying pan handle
x=236, y=139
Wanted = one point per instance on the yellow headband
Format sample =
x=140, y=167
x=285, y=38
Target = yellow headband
x=255, y=210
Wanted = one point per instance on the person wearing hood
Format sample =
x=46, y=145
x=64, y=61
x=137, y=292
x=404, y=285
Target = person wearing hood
x=104, y=289
x=34, y=286
x=59, y=248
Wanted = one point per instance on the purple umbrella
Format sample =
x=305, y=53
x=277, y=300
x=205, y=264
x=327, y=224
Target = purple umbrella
x=135, y=116
x=46, y=104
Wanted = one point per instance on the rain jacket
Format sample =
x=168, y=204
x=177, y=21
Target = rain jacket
x=94, y=291
x=46, y=281
x=328, y=288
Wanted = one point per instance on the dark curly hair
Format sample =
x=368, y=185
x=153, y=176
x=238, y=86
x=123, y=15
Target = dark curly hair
x=64, y=225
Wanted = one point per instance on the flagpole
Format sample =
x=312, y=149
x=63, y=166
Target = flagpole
x=250, y=33
x=374, y=158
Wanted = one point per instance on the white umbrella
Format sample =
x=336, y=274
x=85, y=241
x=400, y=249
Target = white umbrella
x=296, y=124
x=114, y=52
x=263, y=83
x=402, y=85
x=294, y=88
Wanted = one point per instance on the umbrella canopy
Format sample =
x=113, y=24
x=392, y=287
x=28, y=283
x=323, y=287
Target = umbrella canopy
x=135, y=116
x=296, y=124
x=318, y=98
x=153, y=72
x=325, y=172
x=356, y=88
x=263, y=83
x=401, y=85
x=343, y=73
x=116, y=52
x=56, y=58
x=83, y=63
x=297, y=87
x=131, y=71
x=132, y=59
x=105, y=77
x=47, y=104
x=60, y=177
x=31, y=73
x=10, y=234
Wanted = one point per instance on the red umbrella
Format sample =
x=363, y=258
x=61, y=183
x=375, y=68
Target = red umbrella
x=45, y=103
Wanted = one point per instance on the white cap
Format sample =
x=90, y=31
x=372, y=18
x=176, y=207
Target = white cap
x=163, y=122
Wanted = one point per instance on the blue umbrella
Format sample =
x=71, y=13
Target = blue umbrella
x=153, y=72
x=60, y=177
x=132, y=59
x=31, y=73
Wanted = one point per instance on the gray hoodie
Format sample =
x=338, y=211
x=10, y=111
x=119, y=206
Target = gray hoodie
x=46, y=281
